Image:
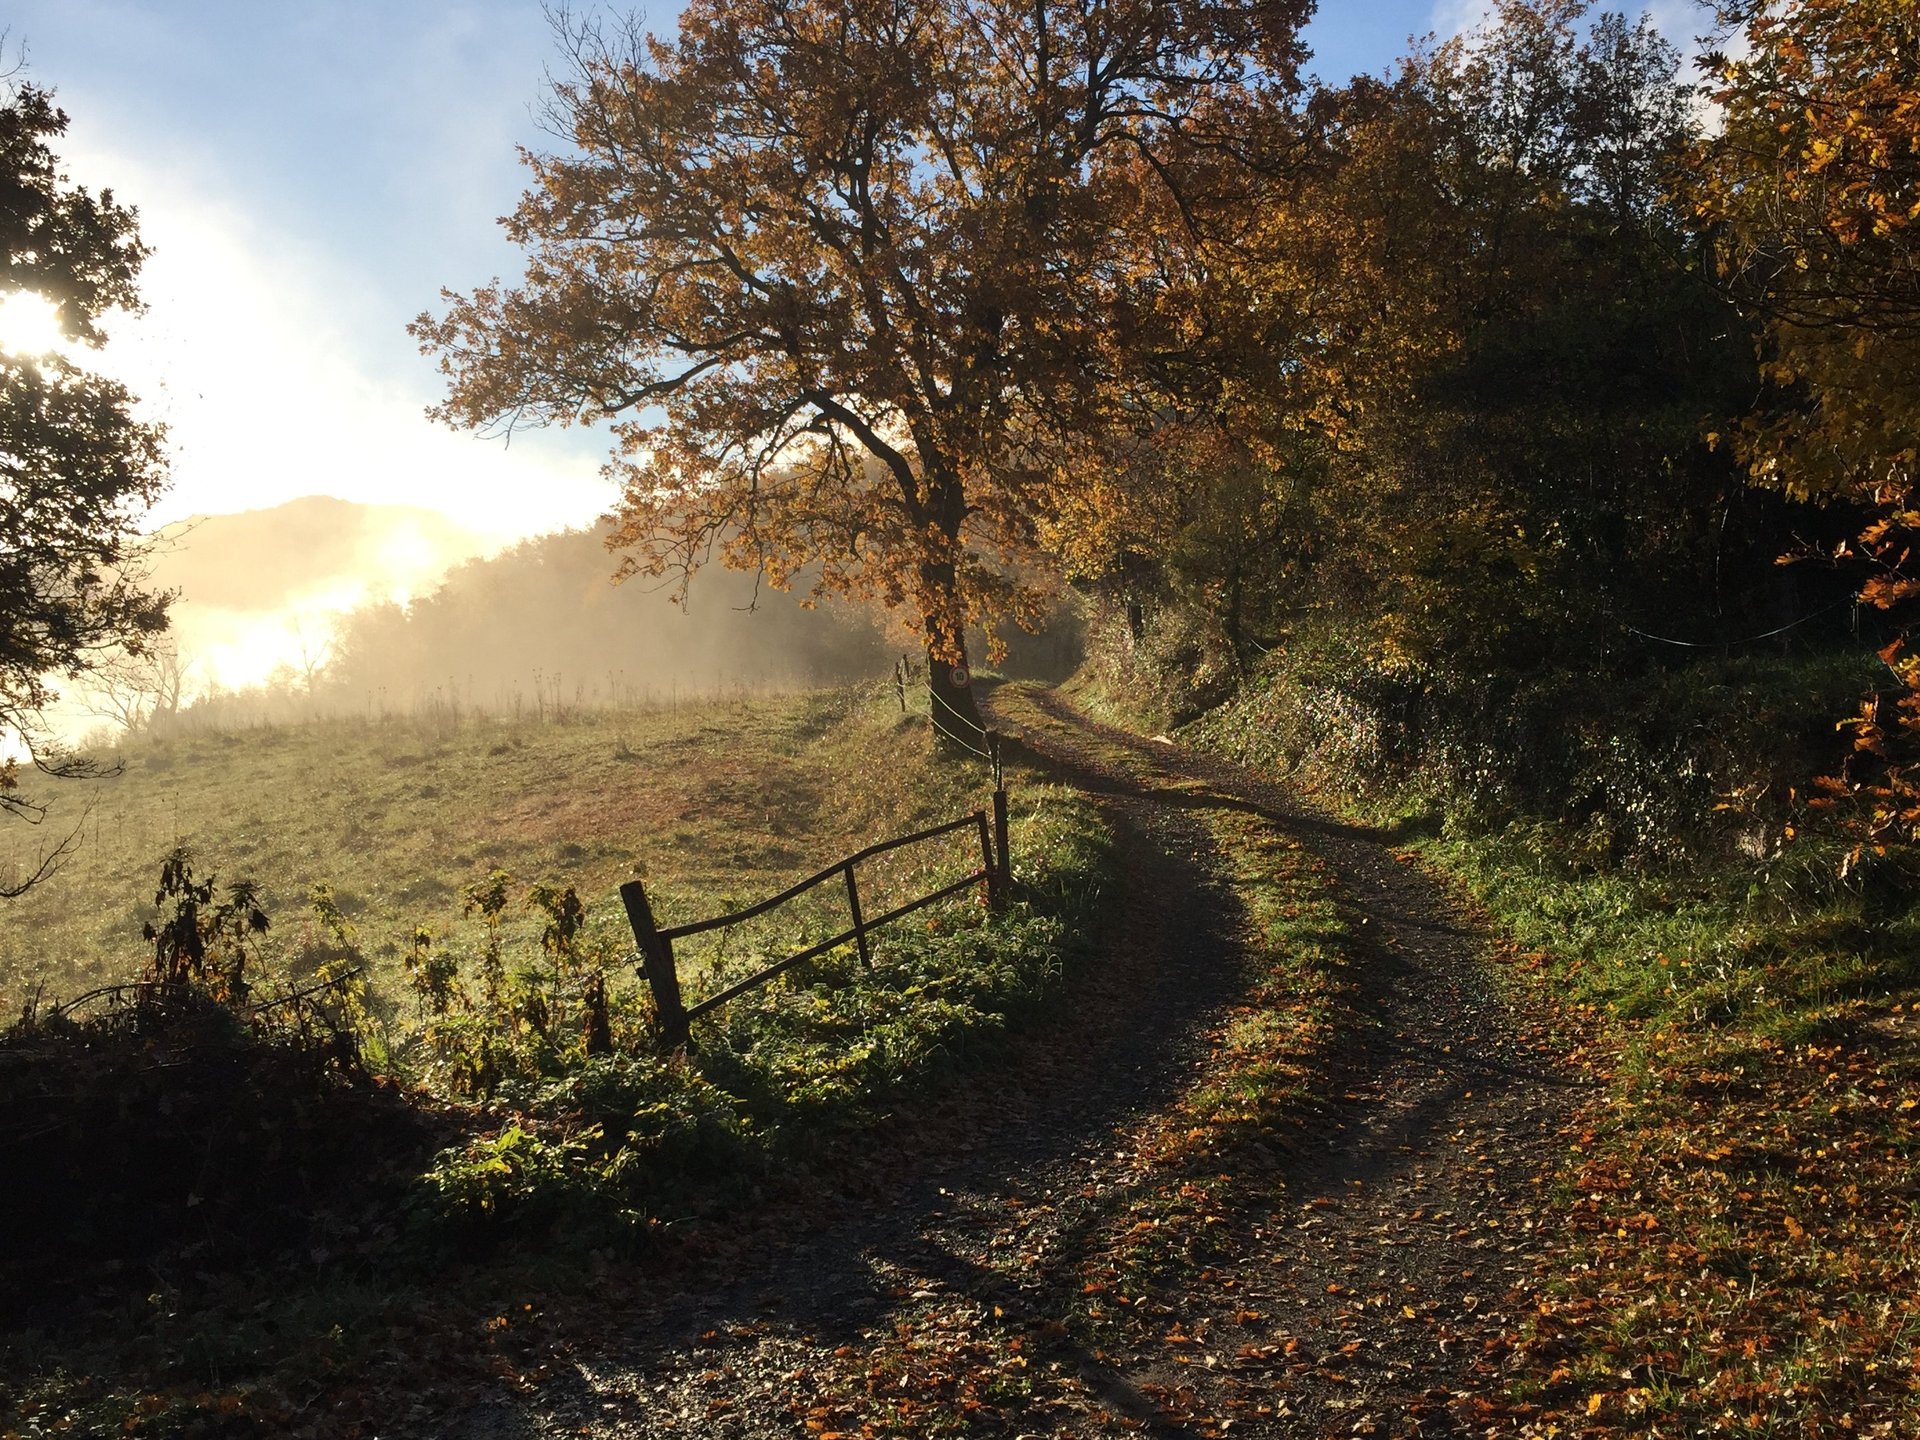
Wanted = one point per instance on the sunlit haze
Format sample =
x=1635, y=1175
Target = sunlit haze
x=30, y=324
x=297, y=221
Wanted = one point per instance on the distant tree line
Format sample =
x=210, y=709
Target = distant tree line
x=547, y=610
x=540, y=630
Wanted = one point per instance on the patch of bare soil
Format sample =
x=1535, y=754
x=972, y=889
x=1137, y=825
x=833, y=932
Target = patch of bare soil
x=1365, y=1277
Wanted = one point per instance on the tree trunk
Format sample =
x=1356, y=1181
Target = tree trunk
x=956, y=712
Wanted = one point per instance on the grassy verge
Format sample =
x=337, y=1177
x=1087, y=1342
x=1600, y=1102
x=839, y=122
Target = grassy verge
x=1741, y=1249
x=557, y=1171
x=1218, y=1146
x=613, y=1147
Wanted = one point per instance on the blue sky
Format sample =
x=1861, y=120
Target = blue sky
x=309, y=176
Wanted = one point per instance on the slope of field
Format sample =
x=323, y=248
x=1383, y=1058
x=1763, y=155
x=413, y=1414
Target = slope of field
x=315, y=1221
x=709, y=802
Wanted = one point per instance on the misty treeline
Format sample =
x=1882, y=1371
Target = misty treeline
x=539, y=631
x=543, y=625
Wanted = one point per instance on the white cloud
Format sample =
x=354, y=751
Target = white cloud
x=1451, y=17
x=278, y=375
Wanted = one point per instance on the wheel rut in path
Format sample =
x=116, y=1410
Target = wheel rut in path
x=1368, y=1293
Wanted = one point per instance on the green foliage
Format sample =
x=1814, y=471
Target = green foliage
x=201, y=941
x=588, y=1147
x=602, y=1141
x=838, y=1040
x=432, y=975
x=1600, y=770
x=81, y=470
x=522, y=1014
x=330, y=955
x=1528, y=472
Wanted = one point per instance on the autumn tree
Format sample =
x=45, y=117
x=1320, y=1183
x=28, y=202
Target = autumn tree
x=77, y=470
x=851, y=279
x=1813, y=185
x=1494, y=350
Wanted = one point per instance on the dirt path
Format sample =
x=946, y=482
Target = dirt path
x=1366, y=1285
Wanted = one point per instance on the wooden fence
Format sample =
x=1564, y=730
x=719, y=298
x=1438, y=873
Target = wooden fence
x=656, y=943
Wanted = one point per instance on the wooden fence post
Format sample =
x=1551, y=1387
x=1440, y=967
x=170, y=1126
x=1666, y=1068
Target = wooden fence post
x=988, y=870
x=1003, y=861
x=656, y=963
x=859, y=925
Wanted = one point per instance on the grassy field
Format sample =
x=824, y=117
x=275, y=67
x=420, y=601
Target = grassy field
x=709, y=803
x=558, y=1168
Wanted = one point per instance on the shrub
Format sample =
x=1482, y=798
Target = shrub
x=1610, y=769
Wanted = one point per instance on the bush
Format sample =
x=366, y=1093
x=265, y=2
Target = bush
x=1608, y=769
x=589, y=1147
x=182, y=1126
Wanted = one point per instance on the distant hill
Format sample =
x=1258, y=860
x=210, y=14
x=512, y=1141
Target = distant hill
x=334, y=605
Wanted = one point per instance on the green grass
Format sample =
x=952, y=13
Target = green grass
x=711, y=804
x=1744, y=1251
x=561, y=1168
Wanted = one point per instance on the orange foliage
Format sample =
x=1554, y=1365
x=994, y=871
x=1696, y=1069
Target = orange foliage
x=1815, y=184
x=850, y=278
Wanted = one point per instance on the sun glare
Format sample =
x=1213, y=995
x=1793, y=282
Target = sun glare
x=30, y=324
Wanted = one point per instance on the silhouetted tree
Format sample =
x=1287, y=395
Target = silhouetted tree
x=77, y=470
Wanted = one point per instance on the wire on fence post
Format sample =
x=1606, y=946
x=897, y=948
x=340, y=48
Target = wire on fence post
x=933, y=699
x=1853, y=600
x=1003, y=857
